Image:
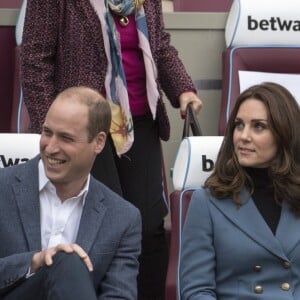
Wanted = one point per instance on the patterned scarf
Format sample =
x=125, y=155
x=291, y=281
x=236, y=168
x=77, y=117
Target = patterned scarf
x=115, y=82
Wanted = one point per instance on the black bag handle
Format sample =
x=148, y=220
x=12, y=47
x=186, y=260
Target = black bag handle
x=192, y=122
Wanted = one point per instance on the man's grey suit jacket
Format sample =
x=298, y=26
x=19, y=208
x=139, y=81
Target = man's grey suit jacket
x=110, y=231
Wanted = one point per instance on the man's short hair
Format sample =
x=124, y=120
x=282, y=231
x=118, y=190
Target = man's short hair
x=99, y=112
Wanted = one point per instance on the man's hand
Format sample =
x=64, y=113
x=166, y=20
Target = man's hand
x=44, y=258
x=189, y=97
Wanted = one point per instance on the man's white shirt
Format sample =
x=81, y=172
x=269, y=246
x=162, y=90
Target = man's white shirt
x=59, y=220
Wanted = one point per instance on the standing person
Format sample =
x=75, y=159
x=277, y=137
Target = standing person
x=241, y=235
x=120, y=48
x=64, y=235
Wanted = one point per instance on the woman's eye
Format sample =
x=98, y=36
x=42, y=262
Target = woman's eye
x=238, y=125
x=259, y=126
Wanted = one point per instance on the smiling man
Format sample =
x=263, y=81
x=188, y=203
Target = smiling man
x=64, y=235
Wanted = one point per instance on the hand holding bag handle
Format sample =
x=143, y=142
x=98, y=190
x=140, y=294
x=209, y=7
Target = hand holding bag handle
x=192, y=122
x=188, y=171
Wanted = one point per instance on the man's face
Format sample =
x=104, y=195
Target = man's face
x=65, y=151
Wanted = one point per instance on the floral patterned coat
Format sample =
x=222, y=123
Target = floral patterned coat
x=63, y=47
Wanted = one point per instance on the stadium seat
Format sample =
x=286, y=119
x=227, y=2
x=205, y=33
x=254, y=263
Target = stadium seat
x=257, y=41
x=179, y=201
x=20, y=121
x=17, y=148
x=202, y=5
x=189, y=173
x=263, y=59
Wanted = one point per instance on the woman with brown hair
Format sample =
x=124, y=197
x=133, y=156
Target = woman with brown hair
x=241, y=236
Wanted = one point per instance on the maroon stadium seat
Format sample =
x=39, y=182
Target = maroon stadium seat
x=261, y=59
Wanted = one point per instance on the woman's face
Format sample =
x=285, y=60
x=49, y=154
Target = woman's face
x=254, y=142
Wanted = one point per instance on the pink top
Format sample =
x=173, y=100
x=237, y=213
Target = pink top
x=134, y=68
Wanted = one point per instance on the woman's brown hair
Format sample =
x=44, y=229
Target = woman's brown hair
x=228, y=177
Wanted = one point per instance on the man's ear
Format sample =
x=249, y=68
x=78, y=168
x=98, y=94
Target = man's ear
x=100, y=140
